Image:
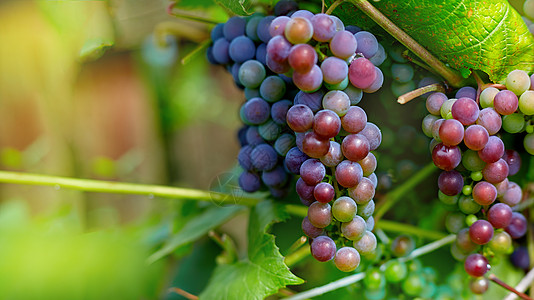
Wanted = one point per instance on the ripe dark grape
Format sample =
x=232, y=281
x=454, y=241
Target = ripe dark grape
x=264, y=157
x=241, y=49
x=343, y=44
x=312, y=171
x=500, y=215
x=354, y=120
x=311, y=100
x=467, y=92
x=481, y=232
x=326, y=124
x=476, y=265
x=484, y=193
x=513, y=160
x=323, y=248
x=334, y=70
x=285, y=7
x=309, y=81
x=294, y=159
x=476, y=137
x=347, y=259
x=314, y=145
x=323, y=27
x=446, y=157
x=505, y=102
x=276, y=177
x=450, y=182
x=495, y=172
x=362, y=73
x=465, y=110
x=368, y=164
x=310, y=230
x=324, y=192
x=305, y=191
x=279, y=111
x=518, y=226
x=513, y=194
x=434, y=102
x=373, y=135
x=334, y=156
x=302, y=58
x=493, y=150
x=348, y=173
x=355, y=147
x=490, y=119
x=299, y=118
x=367, y=43
x=249, y=182
x=234, y=27
x=451, y=132
x=320, y=214
x=520, y=258
x=220, y=51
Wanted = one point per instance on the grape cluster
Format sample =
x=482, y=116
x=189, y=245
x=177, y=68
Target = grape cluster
x=331, y=67
x=476, y=167
x=240, y=45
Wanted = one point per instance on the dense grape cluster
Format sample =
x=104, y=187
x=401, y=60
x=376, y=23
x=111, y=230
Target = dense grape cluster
x=476, y=165
x=331, y=66
x=240, y=45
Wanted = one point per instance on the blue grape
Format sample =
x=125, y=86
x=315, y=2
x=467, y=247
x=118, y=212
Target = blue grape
x=252, y=27
x=294, y=159
x=264, y=157
x=220, y=51
x=234, y=70
x=242, y=136
x=263, y=29
x=210, y=57
x=253, y=136
x=272, y=88
x=279, y=111
x=367, y=43
x=467, y=92
x=379, y=57
x=217, y=32
x=261, y=53
x=249, y=182
x=353, y=29
x=242, y=49
x=277, y=177
x=234, y=27
x=256, y=111
x=244, y=158
x=355, y=94
x=251, y=93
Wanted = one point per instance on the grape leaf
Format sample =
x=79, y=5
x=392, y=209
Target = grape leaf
x=196, y=228
x=263, y=272
x=486, y=35
x=238, y=7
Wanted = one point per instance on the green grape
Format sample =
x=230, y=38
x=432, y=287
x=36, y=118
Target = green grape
x=429, y=290
x=468, y=205
x=529, y=128
x=395, y=271
x=472, y=162
x=501, y=242
x=413, y=285
x=467, y=189
x=454, y=222
x=477, y=176
x=378, y=294
x=526, y=103
x=344, y=209
x=470, y=219
x=487, y=96
x=374, y=279
x=528, y=143
x=446, y=108
x=513, y=123
x=414, y=265
x=518, y=82
x=449, y=200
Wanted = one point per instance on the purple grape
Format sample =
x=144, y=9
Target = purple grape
x=495, y=172
x=367, y=43
x=310, y=230
x=334, y=70
x=278, y=25
x=464, y=242
x=256, y=111
x=484, y=193
x=263, y=29
x=249, y=182
x=253, y=136
x=312, y=171
x=244, y=158
x=326, y=124
x=434, y=102
x=324, y=192
x=373, y=135
x=481, y=232
x=490, y=119
x=234, y=27
x=312, y=100
x=502, y=187
x=347, y=259
x=323, y=248
x=264, y=157
x=334, y=155
x=285, y=7
x=279, y=111
x=310, y=81
x=513, y=194
x=505, y=102
x=299, y=118
x=276, y=177
x=323, y=27
x=500, y=215
x=303, y=14
x=446, y=157
x=305, y=191
x=363, y=192
x=353, y=29
x=314, y=145
x=451, y=132
x=302, y=58
x=355, y=147
x=278, y=49
x=465, y=110
x=261, y=53
x=368, y=164
x=354, y=229
x=217, y=32
x=343, y=44
x=377, y=84
x=520, y=257
x=277, y=67
x=294, y=159
x=466, y=92
x=513, y=160
x=518, y=226
x=320, y=214
x=362, y=72
x=476, y=137
x=348, y=173
x=493, y=151
x=476, y=265
x=450, y=183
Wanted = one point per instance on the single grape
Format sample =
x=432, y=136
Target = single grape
x=312, y=100
x=284, y=143
x=323, y=248
x=310, y=230
x=501, y=242
x=395, y=271
x=468, y=206
x=450, y=183
x=428, y=123
x=495, y=172
x=513, y=160
x=481, y=232
x=324, y=192
x=253, y=136
x=249, y=182
x=244, y=158
x=334, y=156
x=472, y=162
x=476, y=265
x=294, y=159
x=303, y=14
x=302, y=58
x=298, y=30
x=502, y=187
x=373, y=135
x=500, y=215
x=320, y=214
x=343, y=44
x=354, y=229
x=434, y=102
x=279, y=111
x=467, y=92
x=518, y=226
x=344, y=209
x=347, y=259
x=264, y=157
x=334, y=70
x=269, y=130
x=285, y=7
x=449, y=200
x=305, y=191
x=513, y=194
x=363, y=192
x=379, y=57
x=220, y=51
x=402, y=245
x=323, y=27
x=366, y=244
x=274, y=66
x=314, y=145
x=362, y=72
x=312, y=171
x=487, y=96
x=276, y=177
x=355, y=94
x=446, y=108
x=484, y=193
x=370, y=223
x=354, y=120
x=348, y=173
x=493, y=151
x=413, y=285
x=528, y=143
x=367, y=43
x=241, y=49
x=451, y=132
x=490, y=119
x=446, y=157
x=479, y=285
x=520, y=258
x=299, y=118
x=251, y=74
x=355, y=147
x=278, y=25
x=513, y=123
x=310, y=81
x=374, y=279
x=217, y=32
x=517, y=82
x=368, y=164
x=476, y=137
x=326, y=124
x=337, y=101
x=338, y=23
x=464, y=242
x=251, y=29
x=465, y=110
x=367, y=209
x=234, y=27
x=261, y=56
x=505, y=102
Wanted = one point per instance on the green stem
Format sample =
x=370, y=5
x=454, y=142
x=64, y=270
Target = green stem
x=392, y=226
x=297, y=256
x=297, y=210
x=333, y=6
x=171, y=10
x=396, y=194
x=452, y=77
x=90, y=185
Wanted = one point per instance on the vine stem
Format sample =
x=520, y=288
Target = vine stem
x=348, y=280
x=522, y=285
x=392, y=226
x=180, y=14
x=494, y=278
x=333, y=6
x=396, y=194
x=435, y=87
x=452, y=77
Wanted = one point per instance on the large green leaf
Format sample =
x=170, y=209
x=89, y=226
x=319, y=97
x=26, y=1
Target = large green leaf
x=196, y=228
x=263, y=272
x=238, y=7
x=486, y=35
